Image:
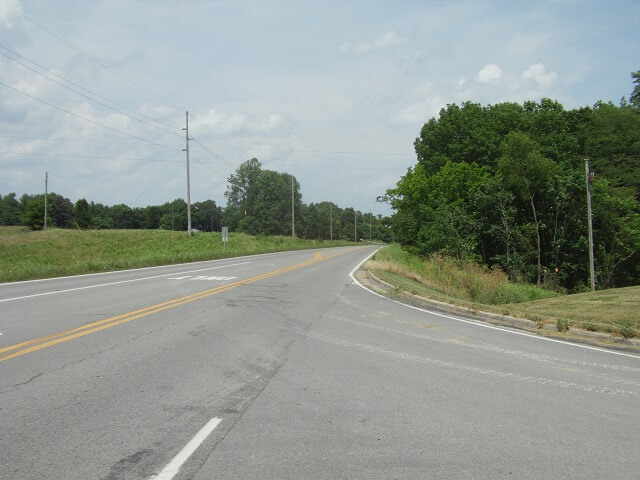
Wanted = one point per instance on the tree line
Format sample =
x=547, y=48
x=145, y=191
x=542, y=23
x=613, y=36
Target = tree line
x=505, y=185
x=259, y=202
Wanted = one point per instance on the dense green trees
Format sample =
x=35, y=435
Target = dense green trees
x=259, y=203
x=505, y=185
x=81, y=214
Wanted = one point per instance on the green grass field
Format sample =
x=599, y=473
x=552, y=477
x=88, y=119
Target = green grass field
x=615, y=311
x=26, y=255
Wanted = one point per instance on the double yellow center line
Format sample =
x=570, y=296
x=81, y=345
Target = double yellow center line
x=23, y=348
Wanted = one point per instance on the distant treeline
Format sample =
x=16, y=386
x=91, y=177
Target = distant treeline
x=505, y=185
x=259, y=203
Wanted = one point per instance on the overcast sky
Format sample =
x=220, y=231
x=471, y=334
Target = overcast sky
x=334, y=92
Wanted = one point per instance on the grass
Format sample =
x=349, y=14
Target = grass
x=612, y=311
x=26, y=255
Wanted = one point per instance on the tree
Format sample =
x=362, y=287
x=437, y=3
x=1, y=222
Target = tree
x=123, y=216
x=240, y=189
x=10, y=210
x=525, y=172
x=152, y=216
x=34, y=214
x=613, y=145
x=616, y=235
x=82, y=214
x=634, y=99
x=206, y=216
x=174, y=215
x=268, y=204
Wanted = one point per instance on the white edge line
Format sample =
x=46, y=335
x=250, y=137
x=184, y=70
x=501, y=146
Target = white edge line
x=110, y=272
x=174, y=465
x=484, y=325
x=119, y=282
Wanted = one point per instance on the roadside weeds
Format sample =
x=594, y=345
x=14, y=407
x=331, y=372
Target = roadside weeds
x=562, y=332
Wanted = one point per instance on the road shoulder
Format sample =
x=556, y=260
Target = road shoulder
x=370, y=281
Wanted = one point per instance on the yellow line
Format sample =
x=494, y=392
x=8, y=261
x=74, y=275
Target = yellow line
x=66, y=335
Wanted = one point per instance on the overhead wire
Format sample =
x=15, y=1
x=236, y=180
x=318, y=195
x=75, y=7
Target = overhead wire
x=93, y=157
x=22, y=14
x=85, y=89
x=83, y=118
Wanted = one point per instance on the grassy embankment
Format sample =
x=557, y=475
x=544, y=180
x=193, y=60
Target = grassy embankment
x=26, y=255
x=612, y=311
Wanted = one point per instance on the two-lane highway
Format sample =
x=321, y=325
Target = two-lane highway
x=281, y=366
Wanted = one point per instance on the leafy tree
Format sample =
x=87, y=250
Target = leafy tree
x=152, y=215
x=613, y=145
x=269, y=205
x=505, y=184
x=34, y=214
x=634, y=99
x=10, y=210
x=206, y=216
x=240, y=191
x=616, y=236
x=82, y=214
x=59, y=209
x=123, y=217
x=525, y=172
x=174, y=215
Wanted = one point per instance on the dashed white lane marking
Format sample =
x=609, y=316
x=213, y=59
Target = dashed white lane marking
x=119, y=282
x=174, y=465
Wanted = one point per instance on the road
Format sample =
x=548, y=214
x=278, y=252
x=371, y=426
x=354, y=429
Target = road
x=282, y=366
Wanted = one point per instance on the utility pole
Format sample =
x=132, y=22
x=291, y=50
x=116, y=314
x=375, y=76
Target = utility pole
x=331, y=221
x=589, y=177
x=355, y=225
x=293, y=213
x=46, y=194
x=188, y=177
x=370, y=215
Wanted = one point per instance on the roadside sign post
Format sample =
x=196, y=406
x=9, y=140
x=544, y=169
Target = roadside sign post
x=225, y=237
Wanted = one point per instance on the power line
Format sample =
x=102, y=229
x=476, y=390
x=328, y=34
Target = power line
x=95, y=157
x=83, y=118
x=215, y=155
x=206, y=166
x=86, y=90
x=89, y=56
x=81, y=140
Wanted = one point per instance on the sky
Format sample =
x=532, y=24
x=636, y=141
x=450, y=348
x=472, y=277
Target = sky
x=95, y=92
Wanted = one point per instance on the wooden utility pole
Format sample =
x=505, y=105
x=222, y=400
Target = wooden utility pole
x=589, y=177
x=293, y=212
x=188, y=177
x=331, y=221
x=46, y=194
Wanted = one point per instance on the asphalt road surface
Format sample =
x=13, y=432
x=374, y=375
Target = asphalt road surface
x=283, y=367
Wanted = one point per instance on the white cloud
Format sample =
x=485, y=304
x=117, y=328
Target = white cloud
x=490, y=74
x=388, y=39
x=538, y=72
x=418, y=113
x=8, y=12
x=240, y=123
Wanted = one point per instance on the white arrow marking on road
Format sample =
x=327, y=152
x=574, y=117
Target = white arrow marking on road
x=179, y=278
